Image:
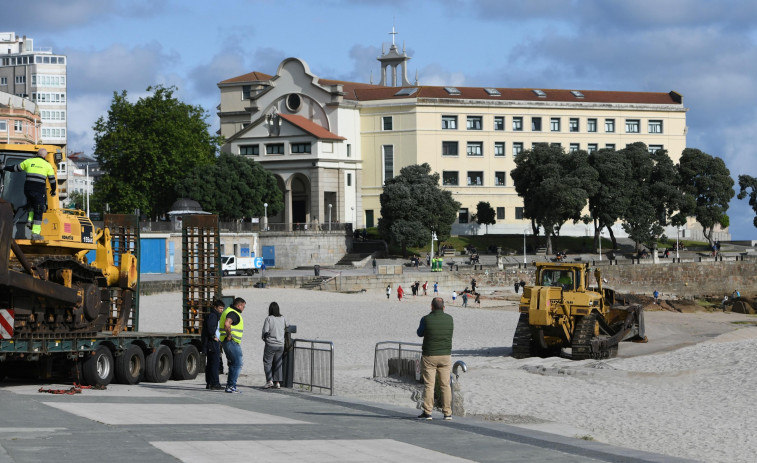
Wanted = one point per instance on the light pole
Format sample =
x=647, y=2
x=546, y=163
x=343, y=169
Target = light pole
x=265, y=219
x=330, y=205
x=352, y=208
x=600, y=244
x=525, y=261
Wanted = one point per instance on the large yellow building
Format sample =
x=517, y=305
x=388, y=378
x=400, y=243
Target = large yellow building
x=335, y=143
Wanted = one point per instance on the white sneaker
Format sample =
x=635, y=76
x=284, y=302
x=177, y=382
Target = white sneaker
x=268, y=385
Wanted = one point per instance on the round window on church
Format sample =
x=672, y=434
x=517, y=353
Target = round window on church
x=294, y=102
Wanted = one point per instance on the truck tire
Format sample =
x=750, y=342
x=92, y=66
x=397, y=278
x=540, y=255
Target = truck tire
x=159, y=365
x=187, y=363
x=130, y=366
x=98, y=368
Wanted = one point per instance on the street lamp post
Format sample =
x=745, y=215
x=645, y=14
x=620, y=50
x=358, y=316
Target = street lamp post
x=352, y=208
x=265, y=216
x=600, y=245
x=525, y=261
x=330, y=205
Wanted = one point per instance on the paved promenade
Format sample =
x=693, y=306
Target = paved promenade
x=181, y=421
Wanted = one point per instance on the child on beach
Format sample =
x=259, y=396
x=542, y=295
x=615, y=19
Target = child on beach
x=454, y=297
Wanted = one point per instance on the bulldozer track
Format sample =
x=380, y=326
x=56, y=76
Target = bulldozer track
x=582, y=337
x=522, y=343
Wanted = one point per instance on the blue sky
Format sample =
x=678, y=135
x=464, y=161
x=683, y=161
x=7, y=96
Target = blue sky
x=705, y=50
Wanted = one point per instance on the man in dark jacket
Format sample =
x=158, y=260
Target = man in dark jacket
x=211, y=346
x=436, y=330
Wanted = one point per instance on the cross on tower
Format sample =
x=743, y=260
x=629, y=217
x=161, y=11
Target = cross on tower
x=393, y=33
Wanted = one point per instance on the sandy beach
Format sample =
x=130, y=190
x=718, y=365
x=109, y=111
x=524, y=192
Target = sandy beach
x=688, y=392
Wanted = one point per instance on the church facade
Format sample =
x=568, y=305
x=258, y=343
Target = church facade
x=332, y=144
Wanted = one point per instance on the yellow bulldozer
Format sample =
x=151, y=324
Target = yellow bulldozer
x=47, y=283
x=561, y=313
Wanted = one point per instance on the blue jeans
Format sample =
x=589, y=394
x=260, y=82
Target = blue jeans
x=234, y=361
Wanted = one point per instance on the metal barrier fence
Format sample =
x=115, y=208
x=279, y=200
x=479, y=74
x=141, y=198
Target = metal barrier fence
x=314, y=364
x=396, y=358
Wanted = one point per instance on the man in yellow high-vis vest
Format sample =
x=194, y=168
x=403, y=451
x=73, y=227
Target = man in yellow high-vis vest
x=231, y=326
x=38, y=172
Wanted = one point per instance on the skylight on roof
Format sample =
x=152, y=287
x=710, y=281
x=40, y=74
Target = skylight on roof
x=577, y=94
x=406, y=91
x=493, y=91
x=540, y=93
x=452, y=90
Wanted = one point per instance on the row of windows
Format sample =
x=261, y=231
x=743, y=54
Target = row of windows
x=51, y=132
x=275, y=148
x=48, y=115
x=475, y=148
x=49, y=97
x=18, y=126
x=464, y=215
x=449, y=122
x=472, y=178
x=48, y=80
x=32, y=59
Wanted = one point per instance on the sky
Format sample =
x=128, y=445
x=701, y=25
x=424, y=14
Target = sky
x=705, y=50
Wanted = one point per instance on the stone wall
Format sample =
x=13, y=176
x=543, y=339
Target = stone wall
x=687, y=279
x=294, y=250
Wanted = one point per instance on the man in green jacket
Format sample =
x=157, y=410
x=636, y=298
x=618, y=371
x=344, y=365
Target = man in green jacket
x=436, y=330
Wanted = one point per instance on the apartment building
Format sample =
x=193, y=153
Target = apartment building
x=19, y=120
x=39, y=75
x=335, y=143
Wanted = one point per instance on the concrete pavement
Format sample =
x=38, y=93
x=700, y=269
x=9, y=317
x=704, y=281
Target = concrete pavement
x=181, y=421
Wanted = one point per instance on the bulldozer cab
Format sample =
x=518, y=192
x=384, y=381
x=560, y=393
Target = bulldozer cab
x=565, y=278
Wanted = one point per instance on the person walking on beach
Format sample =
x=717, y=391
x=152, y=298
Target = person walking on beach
x=211, y=345
x=454, y=297
x=232, y=330
x=516, y=286
x=656, y=295
x=274, y=328
x=388, y=291
x=400, y=292
x=425, y=287
x=436, y=288
x=473, y=285
x=465, y=298
x=436, y=329
x=374, y=265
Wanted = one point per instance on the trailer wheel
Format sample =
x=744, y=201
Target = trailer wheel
x=225, y=273
x=98, y=368
x=187, y=363
x=130, y=366
x=159, y=365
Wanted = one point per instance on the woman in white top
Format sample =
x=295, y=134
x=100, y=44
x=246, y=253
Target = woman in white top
x=274, y=328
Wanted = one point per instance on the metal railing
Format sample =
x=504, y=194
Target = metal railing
x=314, y=364
x=397, y=358
x=313, y=228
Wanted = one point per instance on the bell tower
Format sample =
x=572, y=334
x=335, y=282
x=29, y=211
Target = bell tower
x=390, y=61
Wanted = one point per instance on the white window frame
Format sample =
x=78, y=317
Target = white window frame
x=554, y=124
x=633, y=126
x=504, y=178
x=655, y=126
x=479, y=177
x=517, y=148
x=499, y=149
x=474, y=123
x=501, y=121
x=518, y=124
x=474, y=149
x=457, y=178
x=591, y=125
x=609, y=125
x=574, y=125
x=450, y=121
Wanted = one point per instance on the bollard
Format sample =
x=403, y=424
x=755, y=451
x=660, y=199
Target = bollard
x=458, y=410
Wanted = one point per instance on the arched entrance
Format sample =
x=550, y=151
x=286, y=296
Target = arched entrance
x=299, y=185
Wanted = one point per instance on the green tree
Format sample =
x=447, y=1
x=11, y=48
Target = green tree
x=708, y=185
x=609, y=200
x=655, y=199
x=75, y=200
x=145, y=148
x=554, y=186
x=485, y=214
x=747, y=182
x=413, y=205
x=234, y=187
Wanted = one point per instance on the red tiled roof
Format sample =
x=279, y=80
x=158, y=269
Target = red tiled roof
x=311, y=127
x=359, y=91
x=249, y=77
